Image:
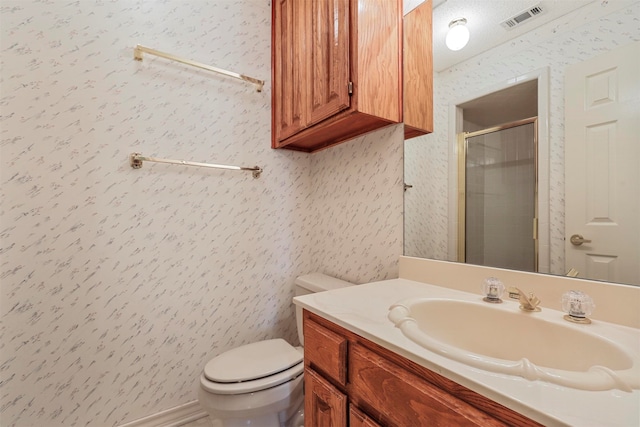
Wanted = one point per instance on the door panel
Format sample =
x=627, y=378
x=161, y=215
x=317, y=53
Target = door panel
x=602, y=152
x=329, y=50
x=289, y=72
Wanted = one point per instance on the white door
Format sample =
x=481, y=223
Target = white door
x=602, y=166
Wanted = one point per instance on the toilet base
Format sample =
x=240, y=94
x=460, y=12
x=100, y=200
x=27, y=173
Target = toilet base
x=295, y=420
x=280, y=406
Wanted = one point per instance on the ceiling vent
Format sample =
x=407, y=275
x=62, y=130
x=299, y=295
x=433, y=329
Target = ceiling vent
x=523, y=16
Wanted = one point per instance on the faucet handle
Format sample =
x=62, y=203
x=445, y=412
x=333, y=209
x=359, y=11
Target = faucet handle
x=578, y=306
x=493, y=289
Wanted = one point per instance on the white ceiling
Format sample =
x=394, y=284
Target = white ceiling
x=483, y=20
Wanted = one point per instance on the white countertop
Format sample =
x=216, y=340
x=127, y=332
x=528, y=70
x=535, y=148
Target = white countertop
x=363, y=309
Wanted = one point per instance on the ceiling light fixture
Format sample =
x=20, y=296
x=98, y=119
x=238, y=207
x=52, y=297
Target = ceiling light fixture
x=458, y=34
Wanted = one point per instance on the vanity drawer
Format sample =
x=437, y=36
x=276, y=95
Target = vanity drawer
x=325, y=350
x=400, y=398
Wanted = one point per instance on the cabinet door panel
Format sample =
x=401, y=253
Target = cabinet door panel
x=418, y=71
x=289, y=70
x=325, y=351
x=379, y=68
x=324, y=405
x=329, y=57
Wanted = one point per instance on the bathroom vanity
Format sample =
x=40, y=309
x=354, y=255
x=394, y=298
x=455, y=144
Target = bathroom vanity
x=348, y=377
x=360, y=370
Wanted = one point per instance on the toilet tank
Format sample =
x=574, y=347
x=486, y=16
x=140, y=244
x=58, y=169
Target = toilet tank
x=312, y=283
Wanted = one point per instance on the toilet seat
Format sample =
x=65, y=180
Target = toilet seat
x=253, y=367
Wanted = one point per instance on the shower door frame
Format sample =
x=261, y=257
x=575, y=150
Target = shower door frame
x=462, y=184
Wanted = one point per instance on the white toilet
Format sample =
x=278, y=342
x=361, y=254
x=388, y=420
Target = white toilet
x=260, y=384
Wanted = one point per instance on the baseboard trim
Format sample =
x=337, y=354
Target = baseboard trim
x=173, y=417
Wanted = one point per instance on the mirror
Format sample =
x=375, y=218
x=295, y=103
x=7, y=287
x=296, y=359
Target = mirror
x=431, y=206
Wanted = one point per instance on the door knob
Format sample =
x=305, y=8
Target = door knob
x=577, y=240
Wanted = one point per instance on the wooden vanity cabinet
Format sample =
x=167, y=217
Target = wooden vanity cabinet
x=336, y=70
x=351, y=381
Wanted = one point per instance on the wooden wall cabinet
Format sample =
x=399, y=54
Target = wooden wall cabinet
x=418, y=71
x=337, y=70
x=351, y=381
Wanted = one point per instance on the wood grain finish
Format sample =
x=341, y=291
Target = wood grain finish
x=386, y=386
x=288, y=74
x=418, y=71
x=358, y=419
x=334, y=131
x=328, y=80
x=401, y=398
x=324, y=405
x=338, y=42
x=327, y=351
x=378, y=52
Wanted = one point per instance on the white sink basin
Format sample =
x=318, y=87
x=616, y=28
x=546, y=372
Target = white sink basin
x=537, y=346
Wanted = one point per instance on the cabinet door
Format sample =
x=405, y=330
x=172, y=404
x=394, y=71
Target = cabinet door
x=289, y=69
x=418, y=71
x=328, y=50
x=324, y=405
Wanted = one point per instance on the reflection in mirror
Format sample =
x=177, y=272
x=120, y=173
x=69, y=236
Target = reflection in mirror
x=543, y=56
x=497, y=225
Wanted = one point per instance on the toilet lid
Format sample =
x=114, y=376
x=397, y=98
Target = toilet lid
x=252, y=361
x=270, y=383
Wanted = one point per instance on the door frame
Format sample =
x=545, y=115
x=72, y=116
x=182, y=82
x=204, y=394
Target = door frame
x=456, y=127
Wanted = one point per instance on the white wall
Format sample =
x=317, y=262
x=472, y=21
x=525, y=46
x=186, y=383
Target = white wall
x=119, y=284
x=357, y=210
x=570, y=39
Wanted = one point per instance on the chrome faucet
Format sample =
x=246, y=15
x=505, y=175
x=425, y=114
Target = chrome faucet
x=527, y=302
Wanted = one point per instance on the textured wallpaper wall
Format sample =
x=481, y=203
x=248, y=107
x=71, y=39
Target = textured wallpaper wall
x=568, y=40
x=119, y=284
x=357, y=207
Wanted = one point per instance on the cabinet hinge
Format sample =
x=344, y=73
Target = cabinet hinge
x=350, y=86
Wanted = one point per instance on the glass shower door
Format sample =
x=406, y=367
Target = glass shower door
x=500, y=192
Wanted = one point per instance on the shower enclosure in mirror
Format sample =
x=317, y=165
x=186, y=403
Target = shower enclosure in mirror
x=436, y=223
x=497, y=203
x=587, y=181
